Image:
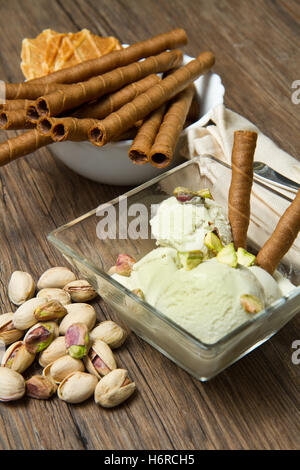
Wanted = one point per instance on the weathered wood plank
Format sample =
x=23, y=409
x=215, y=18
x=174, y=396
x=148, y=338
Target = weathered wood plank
x=255, y=403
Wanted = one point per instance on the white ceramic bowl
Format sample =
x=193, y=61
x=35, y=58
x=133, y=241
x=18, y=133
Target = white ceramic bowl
x=111, y=165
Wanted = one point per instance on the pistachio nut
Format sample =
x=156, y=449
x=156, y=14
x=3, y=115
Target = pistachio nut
x=62, y=367
x=17, y=357
x=8, y=333
x=112, y=270
x=114, y=389
x=77, y=387
x=251, y=303
x=77, y=340
x=21, y=287
x=139, y=293
x=109, y=332
x=52, y=293
x=12, y=385
x=80, y=291
x=52, y=310
x=54, y=351
x=100, y=359
x=24, y=316
x=124, y=265
x=40, y=387
x=56, y=277
x=78, y=313
x=40, y=336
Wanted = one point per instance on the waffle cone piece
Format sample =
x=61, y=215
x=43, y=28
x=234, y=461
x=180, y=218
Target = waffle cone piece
x=52, y=51
x=123, y=119
x=282, y=239
x=162, y=151
x=32, y=55
x=241, y=183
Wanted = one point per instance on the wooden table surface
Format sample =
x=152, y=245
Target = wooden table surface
x=255, y=403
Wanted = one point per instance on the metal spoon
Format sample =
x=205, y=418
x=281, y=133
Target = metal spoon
x=269, y=175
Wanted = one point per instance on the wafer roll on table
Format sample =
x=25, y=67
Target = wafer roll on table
x=22, y=145
x=75, y=95
x=162, y=151
x=282, y=238
x=241, y=183
x=118, y=122
x=141, y=146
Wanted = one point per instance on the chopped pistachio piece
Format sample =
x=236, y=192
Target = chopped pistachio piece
x=228, y=256
x=213, y=242
x=204, y=193
x=190, y=259
x=245, y=258
x=251, y=303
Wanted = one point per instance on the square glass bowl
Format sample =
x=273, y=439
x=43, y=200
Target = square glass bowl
x=80, y=243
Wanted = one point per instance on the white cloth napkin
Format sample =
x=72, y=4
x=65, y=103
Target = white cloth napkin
x=216, y=138
x=213, y=134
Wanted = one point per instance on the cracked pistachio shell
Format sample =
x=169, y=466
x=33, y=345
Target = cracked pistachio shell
x=17, y=357
x=80, y=291
x=114, y=389
x=8, y=333
x=77, y=387
x=12, y=385
x=40, y=387
x=23, y=317
x=56, y=277
x=33, y=340
x=78, y=313
x=109, y=332
x=54, y=351
x=51, y=310
x=62, y=367
x=100, y=359
x=52, y=293
x=21, y=287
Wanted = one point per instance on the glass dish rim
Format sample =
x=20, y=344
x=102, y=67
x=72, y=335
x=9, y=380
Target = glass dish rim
x=68, y=251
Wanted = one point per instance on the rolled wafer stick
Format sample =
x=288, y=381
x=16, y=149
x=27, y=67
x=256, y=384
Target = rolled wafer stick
x=282, y=238
x=14, y=120
x=31, y=91
x=31, y=113
x=67, y=128
x=22, y=145
x=241, y=183
x=83, y=92
x=91, y=68
x=110, y=103
x=13, y=105
x=144, y=104
x=141, y=146
x=162, y=151
x=194, y=111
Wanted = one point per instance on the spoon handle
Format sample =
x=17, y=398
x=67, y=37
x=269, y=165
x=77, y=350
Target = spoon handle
x=265, y=172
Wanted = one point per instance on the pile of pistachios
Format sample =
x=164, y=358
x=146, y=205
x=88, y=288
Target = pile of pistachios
x=75, y=353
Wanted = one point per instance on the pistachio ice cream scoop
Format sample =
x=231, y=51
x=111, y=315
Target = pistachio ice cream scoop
x=184, y=225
